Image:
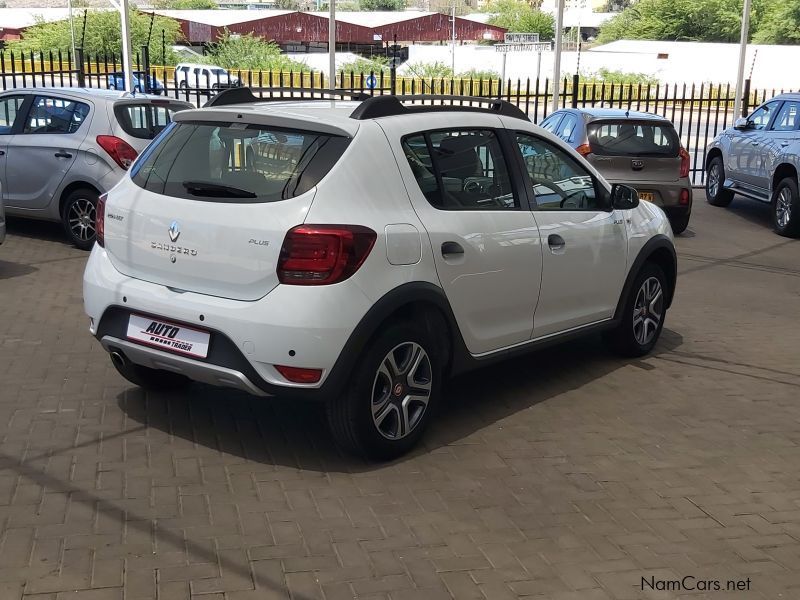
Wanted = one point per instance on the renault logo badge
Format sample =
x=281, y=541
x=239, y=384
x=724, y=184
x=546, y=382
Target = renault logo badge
x=174, y=231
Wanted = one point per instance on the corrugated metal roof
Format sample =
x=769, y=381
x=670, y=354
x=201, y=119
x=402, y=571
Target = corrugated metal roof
x=221, y=18
x=375, y=18
x=19, y=18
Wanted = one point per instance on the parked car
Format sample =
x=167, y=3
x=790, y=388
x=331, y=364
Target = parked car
x=204, y=77
x=399, y=247
x=60, y=148
x=759, y=158
x=116, y=81
x=635, y=148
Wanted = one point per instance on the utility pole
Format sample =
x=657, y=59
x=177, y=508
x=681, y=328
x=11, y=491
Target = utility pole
x=742, y=56
x=332, y=45
x=453, y=38
x=557, y=58
x=126, y=45
x=71, y=29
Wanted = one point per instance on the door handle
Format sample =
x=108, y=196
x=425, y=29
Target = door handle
x=452, y=250
x=784, y=144
x=62, y=154
x=755, y=143
x=2, y=152
x=556, y=243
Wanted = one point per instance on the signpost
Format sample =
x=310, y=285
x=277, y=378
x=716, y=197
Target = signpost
x=521, y=42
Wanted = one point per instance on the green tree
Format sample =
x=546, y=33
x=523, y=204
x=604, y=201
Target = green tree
x=479, y=74
x=780, y=23
x=102, y=34
x=435, y=70
x=382, y=4
x=184, y=4
x=677, y=20
x=249, y=52
x=519, y=17
x=376, y=64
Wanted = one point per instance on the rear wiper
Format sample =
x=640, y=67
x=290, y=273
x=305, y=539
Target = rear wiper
x=216, y=190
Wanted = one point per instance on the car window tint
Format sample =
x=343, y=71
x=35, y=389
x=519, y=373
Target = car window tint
x=633, y=138
x=566, y=129
x=461, y=170
x=558, y=181
x=9, y=109
x=759, y=119
x=218, y=162
x=551, y=122
x=143, y=121
x=787, y=118
x=55, y=115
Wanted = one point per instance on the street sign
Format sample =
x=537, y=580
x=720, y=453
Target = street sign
x=521, y=38
x=371, y=82
x=522, y=47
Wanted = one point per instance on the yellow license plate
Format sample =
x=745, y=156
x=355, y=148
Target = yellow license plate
x=647, y=196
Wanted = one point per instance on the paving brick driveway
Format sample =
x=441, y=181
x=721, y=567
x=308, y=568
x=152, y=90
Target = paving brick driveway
x=566, y=474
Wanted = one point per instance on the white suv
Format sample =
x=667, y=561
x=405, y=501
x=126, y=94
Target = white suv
x=363, y=252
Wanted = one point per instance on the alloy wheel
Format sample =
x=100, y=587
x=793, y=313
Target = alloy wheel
x=401, y=390
x=81, y=219
x=713, y=180
x=783, y=207
x=647, y=311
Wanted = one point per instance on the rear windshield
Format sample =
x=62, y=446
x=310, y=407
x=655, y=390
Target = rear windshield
x=224, y=162
x=144, y=121
x=632, y=138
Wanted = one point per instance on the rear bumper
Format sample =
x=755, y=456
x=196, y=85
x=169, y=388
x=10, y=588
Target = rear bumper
x=665, y=195
x=290, y=326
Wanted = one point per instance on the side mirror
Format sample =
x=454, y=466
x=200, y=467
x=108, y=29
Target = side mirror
x=624, y=197
x=741, y=123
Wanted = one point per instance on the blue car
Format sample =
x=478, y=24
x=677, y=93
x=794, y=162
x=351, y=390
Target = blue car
x=116, y=81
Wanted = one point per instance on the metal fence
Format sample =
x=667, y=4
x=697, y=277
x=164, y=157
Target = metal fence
x=698, y=111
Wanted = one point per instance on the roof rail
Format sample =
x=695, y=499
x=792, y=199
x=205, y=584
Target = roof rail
x=387, y=106
x=245, y=95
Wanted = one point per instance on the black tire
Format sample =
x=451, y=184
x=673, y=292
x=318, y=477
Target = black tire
x=78, y=217
x=626, y=339
x=350, y=415
x=679, y=224
x=786, y=208
x=151, y=379
x=182, y=85
x=716, y=172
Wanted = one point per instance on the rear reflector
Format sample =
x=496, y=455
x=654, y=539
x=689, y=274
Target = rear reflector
x=118, y=149
x=584, y=149
x=684, y=172
x=298, y=375
x=100, y=221
x=323, y=254
x=684, y=199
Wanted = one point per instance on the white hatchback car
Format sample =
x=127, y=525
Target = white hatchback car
x=363, y=252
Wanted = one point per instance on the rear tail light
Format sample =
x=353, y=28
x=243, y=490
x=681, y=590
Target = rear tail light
x=299, y=375
x=100, y=221
x=118, y=149
x=684, y=199
x=684, y=162
x=584, y=149
x=323, y=254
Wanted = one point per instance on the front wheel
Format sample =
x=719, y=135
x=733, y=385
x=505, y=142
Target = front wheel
x=786, y=208
x=715, y=180
x=391, y=396
x=643, y=314
x=78, y=216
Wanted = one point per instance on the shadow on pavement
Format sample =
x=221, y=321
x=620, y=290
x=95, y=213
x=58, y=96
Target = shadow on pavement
x=758, y=213
x=9, y=270
x=41, y=230
x=294, y=434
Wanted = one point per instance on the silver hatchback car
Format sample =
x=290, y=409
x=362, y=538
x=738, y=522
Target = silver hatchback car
x=61, y=148
x=638, y=149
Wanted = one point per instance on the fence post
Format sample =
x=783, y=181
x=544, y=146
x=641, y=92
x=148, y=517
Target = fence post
x=746, y=98
x=575, y=83
x=146, y=68
x=81, y=73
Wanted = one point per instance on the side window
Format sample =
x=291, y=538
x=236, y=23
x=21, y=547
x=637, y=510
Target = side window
x=760, y=118
x=55, y=115
x=9, y=110
x=567, y=127
x=558, y=181
x=461, y=170
x=787, y=119
x=551, y=122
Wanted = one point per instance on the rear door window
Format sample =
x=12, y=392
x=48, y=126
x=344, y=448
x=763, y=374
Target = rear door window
x=55, y=115
x=10, y=107
x=633, y=138
x=144, y=121
x=787, y=118
x=223, y=162
x=566, y=129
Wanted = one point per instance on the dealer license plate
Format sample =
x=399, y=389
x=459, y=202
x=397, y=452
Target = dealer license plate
x=168, y=336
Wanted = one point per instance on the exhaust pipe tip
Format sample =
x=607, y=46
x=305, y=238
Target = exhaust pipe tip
x=118, y=359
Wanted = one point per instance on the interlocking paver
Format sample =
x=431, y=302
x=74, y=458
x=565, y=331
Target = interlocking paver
x=567, y=474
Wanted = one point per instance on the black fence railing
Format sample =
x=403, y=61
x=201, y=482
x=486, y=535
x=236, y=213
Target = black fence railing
x=698, y=111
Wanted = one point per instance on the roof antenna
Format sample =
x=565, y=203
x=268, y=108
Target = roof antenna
x=627, y=112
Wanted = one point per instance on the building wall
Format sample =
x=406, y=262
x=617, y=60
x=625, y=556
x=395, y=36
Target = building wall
x=436, y=28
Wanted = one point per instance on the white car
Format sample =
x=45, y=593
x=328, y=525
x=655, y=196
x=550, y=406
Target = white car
x=204, y=77
x=368, y=253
